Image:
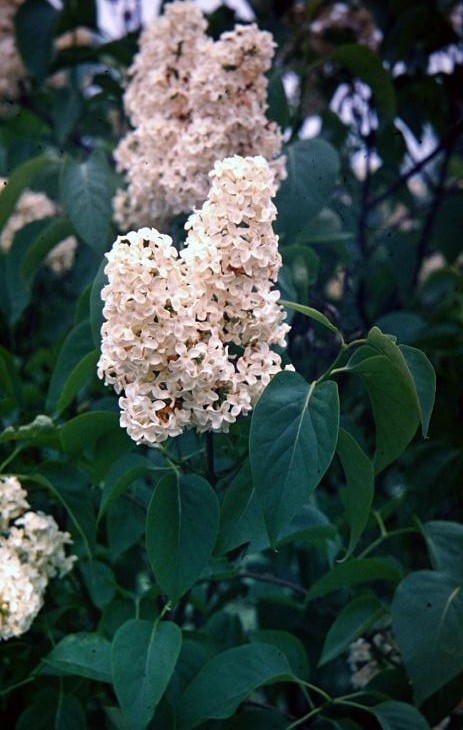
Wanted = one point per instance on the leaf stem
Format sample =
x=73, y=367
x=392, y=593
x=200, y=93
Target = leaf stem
x=386, y=536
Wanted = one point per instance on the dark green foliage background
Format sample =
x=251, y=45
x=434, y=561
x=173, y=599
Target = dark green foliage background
x=221, y=581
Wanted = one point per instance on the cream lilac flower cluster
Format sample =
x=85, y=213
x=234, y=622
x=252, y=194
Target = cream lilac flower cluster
x=191, y=101
x=32, y=551
x=13, y=71
x=187, y=338
x=31, y=207
x=369, y=656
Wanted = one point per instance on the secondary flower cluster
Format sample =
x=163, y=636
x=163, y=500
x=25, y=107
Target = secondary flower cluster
x=368, y=656
x=187, y=338
x=31, y=207
x=13, y=71
x=191, y=101
x=32, y=551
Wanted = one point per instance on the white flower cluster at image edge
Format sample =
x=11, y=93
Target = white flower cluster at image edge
x=32, y=551
x=187, y=338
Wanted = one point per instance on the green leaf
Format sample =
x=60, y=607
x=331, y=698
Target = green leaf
x=312, y=313
x=123, y=472
x=393, y=715
x=312, y=166
x=291, y=647
x=392, y=394
x=424, y=377
x=353, y=572
x=54, y=233
x=100, y=582
x=278, y=108
x=294, y=431
x=50, y=478
x=18, y=289
x=445, y=546
x=34, y=23
x=76, y=346
x=84, y=655
x=96, y=303
x=358, y=496
x=181, y=531
x=143, y=658
x=427, y=620
x=353, y=621
x=83, y=372
x=83, y=430
x=241, y=518
x=366, y=65
x=227, y=679
x=86, y=195
x=53, y=711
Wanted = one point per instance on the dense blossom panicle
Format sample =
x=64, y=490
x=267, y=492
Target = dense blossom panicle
x=13, y=500
x=13, y=71
x=191, y=101
x=367, y=657
x=32, y=550
x=30, y=207
x=187, y=337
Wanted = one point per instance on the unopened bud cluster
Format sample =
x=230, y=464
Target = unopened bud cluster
x=32, y=551
x=187, y=338
x=191, y=101
x=32, y=206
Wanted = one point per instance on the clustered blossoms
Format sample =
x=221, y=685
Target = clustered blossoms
x=191, y=101
x=367, y=657
x=31, y=207
x=187, y=338
x=32, y=551
x=13, y=71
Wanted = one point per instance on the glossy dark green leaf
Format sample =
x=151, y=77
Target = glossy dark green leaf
x=393, y=715
x=392, y=393
x=75, y=349
x=294, y=431
x=100, y=582
x=34, y=24
x=310, y=312
x=122, y=473
x=354, y=572
x=83, y=430
x=353, y=621
x=427, y=620
x=227, y=679
x=181, y=531
x=53, y=710
x=86, y=195
x=445, y=546
x=241, y=518
x=143, y=658
x=290, y=645
x=57, y=230
x=84, y=655
x=312, y=166
x=424, y=377
x=96, y=303
x=360, y=477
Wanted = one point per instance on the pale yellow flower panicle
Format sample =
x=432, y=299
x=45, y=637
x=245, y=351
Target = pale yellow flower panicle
x=191, y=101
x=32, y=551
x=187, y=338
